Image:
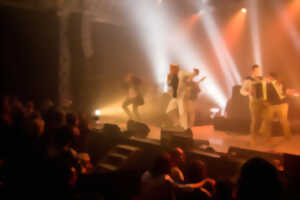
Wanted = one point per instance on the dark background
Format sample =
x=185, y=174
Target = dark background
x=28, y=53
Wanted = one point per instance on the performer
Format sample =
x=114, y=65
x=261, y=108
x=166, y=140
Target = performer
x=183, y=96
x=134, y=97
x=255, y=87
x=173, y=81
x=193, y=90
x=277, y=105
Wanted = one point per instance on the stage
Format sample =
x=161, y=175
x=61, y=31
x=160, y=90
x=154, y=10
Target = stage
x=221, y=141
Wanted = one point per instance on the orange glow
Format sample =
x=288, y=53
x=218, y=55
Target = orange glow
x=293, y=9
x=234, y=29
x=190, y=22
x=244, y=10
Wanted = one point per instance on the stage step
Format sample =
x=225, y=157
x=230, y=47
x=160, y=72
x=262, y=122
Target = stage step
x=115, y=158
x=105, y=167
x=125, y=149
x=119, y=157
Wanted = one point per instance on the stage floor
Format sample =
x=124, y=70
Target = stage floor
x=221, y=141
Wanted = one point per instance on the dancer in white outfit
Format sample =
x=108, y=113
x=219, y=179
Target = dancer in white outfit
x=183, y=96
x=173, y=87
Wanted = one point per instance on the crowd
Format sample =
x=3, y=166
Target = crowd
x=172, y=177
x=41, y=150
x=44, y=151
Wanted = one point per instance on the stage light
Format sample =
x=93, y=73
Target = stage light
x=152, y=28
x=287, y=15
x=226, y=61
x=244, y=10
x=214, y=112
x=157, y=31
x=188, y=55
x=234, y=29
x=97, y=113
x=255, y=34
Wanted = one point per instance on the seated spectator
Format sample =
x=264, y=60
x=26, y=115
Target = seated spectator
x=18, y=118
x=197, y=172
x=5, y=126
x=5, y=111
x=224, y=190
x=72, y=124
x=84, y=128
x=177, y=163
x=35, y=125
x=259, y=180
x=158, y=184
x=29, y=108
x=63, y=160
x=54, y=121
x=47, y=105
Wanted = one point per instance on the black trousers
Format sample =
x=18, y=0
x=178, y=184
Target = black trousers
x=135, y=104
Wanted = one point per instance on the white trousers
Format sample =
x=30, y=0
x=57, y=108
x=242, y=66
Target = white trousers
x=173, y=105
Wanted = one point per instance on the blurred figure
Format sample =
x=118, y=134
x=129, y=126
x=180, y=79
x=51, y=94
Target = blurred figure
x=183, y=96
x=55, y=120
x=47, y=104
x=18, y=116
x=196, y=171
x=173, y=80
x=5, y=112
x=134, y=96
x=154, y=184
x=29, y=108
x=254, y=87
x=84, y=128
x=224, y=190
x=63, y=162
x=6, y=124
x=177, y=165
x=277, y=106
x=35, y=126
x=73, y=124
x=158, y=184
x=259, y=180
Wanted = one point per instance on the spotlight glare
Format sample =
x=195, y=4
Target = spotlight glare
x=255, y=32
x=244, y=10
x=97, y=112
x=215, y=110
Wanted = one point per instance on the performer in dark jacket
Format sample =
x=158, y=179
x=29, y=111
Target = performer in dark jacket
x=277, y=105
x=173, y=80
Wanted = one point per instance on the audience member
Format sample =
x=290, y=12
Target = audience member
x=197, y=172
x=54, y=121
x=84, y=128
x=259, y=180
x=177, y=164
x=158, y=184
x=72, y=124
x=29, y=108
x=224, y=190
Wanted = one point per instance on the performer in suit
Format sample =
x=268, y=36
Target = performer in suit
x=255, y=87
x=277, y=106
x=134, y=97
